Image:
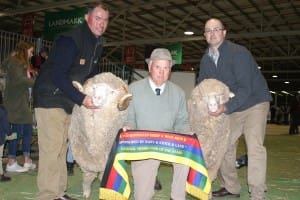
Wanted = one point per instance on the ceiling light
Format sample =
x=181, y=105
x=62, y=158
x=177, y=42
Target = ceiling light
x=287, y=93
x=272, y=92
x=274, y=76
x=259, y=67
x=286, y=82
x=188, y=33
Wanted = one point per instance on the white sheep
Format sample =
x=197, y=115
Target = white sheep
x=212, y=132
x=92, y=131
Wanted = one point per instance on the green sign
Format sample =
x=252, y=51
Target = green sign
x=176, y=52
x=62, y=21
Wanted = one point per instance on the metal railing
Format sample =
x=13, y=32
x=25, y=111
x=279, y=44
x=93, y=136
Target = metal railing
x=8, y=40
x=125, y=72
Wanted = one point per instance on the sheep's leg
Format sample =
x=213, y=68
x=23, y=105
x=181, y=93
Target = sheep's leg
x=88, y=178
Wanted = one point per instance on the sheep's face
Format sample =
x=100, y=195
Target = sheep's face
x=212, y=101
x=213, y=93
x=102, y=94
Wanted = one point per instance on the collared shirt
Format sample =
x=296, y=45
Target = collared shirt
x=214, y=55
x=153, y=86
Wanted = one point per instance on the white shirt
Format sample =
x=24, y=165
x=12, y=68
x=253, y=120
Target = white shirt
x=153, y=86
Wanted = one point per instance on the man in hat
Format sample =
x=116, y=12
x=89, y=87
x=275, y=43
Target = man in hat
x=157, y=105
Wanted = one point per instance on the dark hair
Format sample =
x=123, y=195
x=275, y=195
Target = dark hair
x=215, y=18
x=45, y=50
x=98, y=4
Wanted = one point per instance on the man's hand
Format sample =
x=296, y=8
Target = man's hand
x=190, y=133
x=88, y=103
x=126, y=128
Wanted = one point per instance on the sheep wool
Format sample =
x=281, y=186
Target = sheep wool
x=213, y=132
x=92, y=131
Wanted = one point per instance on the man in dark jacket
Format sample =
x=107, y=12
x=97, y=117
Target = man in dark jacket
x=74, y=56
x=234, y=65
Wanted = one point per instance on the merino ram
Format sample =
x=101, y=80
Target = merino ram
x=92, y=131
x=213, y=132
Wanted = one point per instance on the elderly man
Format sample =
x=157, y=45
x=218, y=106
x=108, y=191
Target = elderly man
x=157, y=105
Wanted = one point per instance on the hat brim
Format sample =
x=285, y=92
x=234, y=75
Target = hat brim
x=173, y=62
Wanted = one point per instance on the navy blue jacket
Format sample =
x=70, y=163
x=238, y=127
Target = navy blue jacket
x=74, y=56
x=236, y=68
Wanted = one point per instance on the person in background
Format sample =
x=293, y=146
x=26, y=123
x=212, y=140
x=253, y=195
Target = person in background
x=294, y=115
x=74, y=56
x=234, y=65
x=4, y=135
x=157, y=105
x=19, y=78
x=39, y=59
x=44, y=53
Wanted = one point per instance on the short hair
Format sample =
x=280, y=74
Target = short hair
x=215, y=18
x=95, y=5
x=44, y=50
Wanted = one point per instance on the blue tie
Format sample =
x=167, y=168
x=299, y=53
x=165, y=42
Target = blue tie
x=157, y=90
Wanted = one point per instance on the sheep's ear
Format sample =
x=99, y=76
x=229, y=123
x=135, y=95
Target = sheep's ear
x=124, y=102
x=77, y=85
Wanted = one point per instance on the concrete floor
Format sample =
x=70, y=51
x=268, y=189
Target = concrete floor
x=283, y=176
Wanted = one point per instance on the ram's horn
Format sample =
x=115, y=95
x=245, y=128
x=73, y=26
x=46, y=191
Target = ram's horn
x=124, y=102
x=77, y=85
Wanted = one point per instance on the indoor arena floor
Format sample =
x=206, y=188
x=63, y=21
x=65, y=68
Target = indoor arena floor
x=283, y=173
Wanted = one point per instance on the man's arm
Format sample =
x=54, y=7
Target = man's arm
x=244, y=71
x=63, y=56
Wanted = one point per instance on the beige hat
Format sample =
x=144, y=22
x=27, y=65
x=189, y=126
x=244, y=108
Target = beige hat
x=161, y=54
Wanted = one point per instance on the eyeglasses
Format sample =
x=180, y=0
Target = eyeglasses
x=214, y=30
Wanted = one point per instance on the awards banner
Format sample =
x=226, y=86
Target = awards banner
x=164, y=146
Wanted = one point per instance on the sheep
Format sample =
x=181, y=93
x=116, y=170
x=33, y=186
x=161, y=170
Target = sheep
x=92, y=131
x=213, y=132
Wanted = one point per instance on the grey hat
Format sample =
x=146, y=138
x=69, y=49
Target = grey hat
x=161, y=54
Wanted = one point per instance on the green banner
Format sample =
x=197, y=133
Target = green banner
x=176, y=52
x=58, y=22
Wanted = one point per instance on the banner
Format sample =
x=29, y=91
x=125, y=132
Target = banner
x=129, y=54
x=58, y=22
x=27, y=24
x=165, y=146
x=176, y=52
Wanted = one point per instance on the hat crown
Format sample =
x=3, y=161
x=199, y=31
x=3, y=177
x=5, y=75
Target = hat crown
x=161, y=54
